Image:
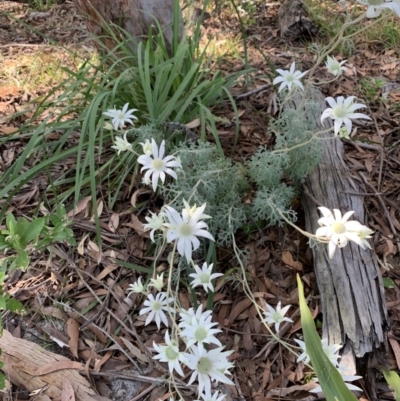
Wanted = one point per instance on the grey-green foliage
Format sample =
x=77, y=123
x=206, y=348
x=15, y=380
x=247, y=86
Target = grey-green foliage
x=269, y=179
x=295, y=128
x=206, y=177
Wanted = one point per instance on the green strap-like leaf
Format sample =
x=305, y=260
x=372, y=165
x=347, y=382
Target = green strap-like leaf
x=329, y=378
x=393, y=380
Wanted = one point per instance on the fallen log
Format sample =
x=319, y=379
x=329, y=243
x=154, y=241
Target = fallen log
x=22, y=359
x=350, y=285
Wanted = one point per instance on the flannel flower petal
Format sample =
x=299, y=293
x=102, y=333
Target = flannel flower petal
x=147, y=147
x=200, y=331
x=157, y=165
x=120, y=117
x=375, y=7
x=288, y=78
x=121, y=144
x=170, y=353
x=276, y=316
x=137, y=287
x=338, y=231
x=155, y=222
x=156, y=306
x=185, y=229
x=157, y=283
x=329, y=350
x=204, y=277
x=208, y=366
x=187, y=316
x=335, y=67
x=342, y=112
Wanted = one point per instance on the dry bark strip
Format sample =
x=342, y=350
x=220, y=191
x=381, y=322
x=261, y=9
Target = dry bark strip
x=350, y=284
x=23, y=358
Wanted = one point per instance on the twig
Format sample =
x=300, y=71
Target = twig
x=385, y=211
x=382, y=152
x=252, y=92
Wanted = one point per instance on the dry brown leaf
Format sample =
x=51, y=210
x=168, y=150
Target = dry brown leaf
x=8, y=130
x=107, y=270
x=59, y=365
x=395, y=347
x=73, y=333
x=68, y=393
x=81, y=245
x=52, y=311
x=135, y=351
x=114, y=222
x=290, y=262
x=100, y=206
x=80, y=206
x=138, y=226
x=247, y=341
x=238, y=309
x=193, y=124
x=136, y=194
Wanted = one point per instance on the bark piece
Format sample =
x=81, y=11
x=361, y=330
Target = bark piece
x=23, y=358
x=351, y=288
x=294, y=22
x=134, y=16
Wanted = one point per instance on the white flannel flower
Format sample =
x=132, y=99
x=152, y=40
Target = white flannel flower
x=342, y=111
x=208, y=366
x=121, y=144
x=186, y=229
x=200, y=331
x=338, y=231
x=204, y=277
x=191, y=210
x=137, y=287
x=187, y=316
x=212, y=397
x=120, y=117
x=157, y=283
x=147, y=147
x=155, y=222
x=346, y=378
x=276, y=316
x=157, y=165
x=289, y=78
x=156, y=306
x=170, y=353
x=335, y=67
x=363, y=234
x=375, y=7
x=329, y=350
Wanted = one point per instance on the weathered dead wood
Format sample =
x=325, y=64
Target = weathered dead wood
x=352, y=293
x=23, y=358
x=294, y=22
x=134, y=16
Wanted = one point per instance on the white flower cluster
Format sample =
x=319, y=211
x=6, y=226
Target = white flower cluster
x=331, y=351
x=341, y=110
x=207, y=365
x=183, y=228
x=375, y=7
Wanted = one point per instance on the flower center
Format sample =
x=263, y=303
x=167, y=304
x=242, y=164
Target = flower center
x=156, y=306
x=186, y=230
x=200, y=334
x=205, y=278
x=340, y=112
x=121, y=116
x=170, y=353
x=204, y=365
x=289, y=78
x=157, y=164
x=277, y=317
x=338, y=227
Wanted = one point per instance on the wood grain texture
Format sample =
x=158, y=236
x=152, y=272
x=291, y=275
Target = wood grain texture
x=23, y=358
x=352, y=293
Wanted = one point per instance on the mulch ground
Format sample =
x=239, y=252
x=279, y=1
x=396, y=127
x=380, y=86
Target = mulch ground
x=263, y=370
